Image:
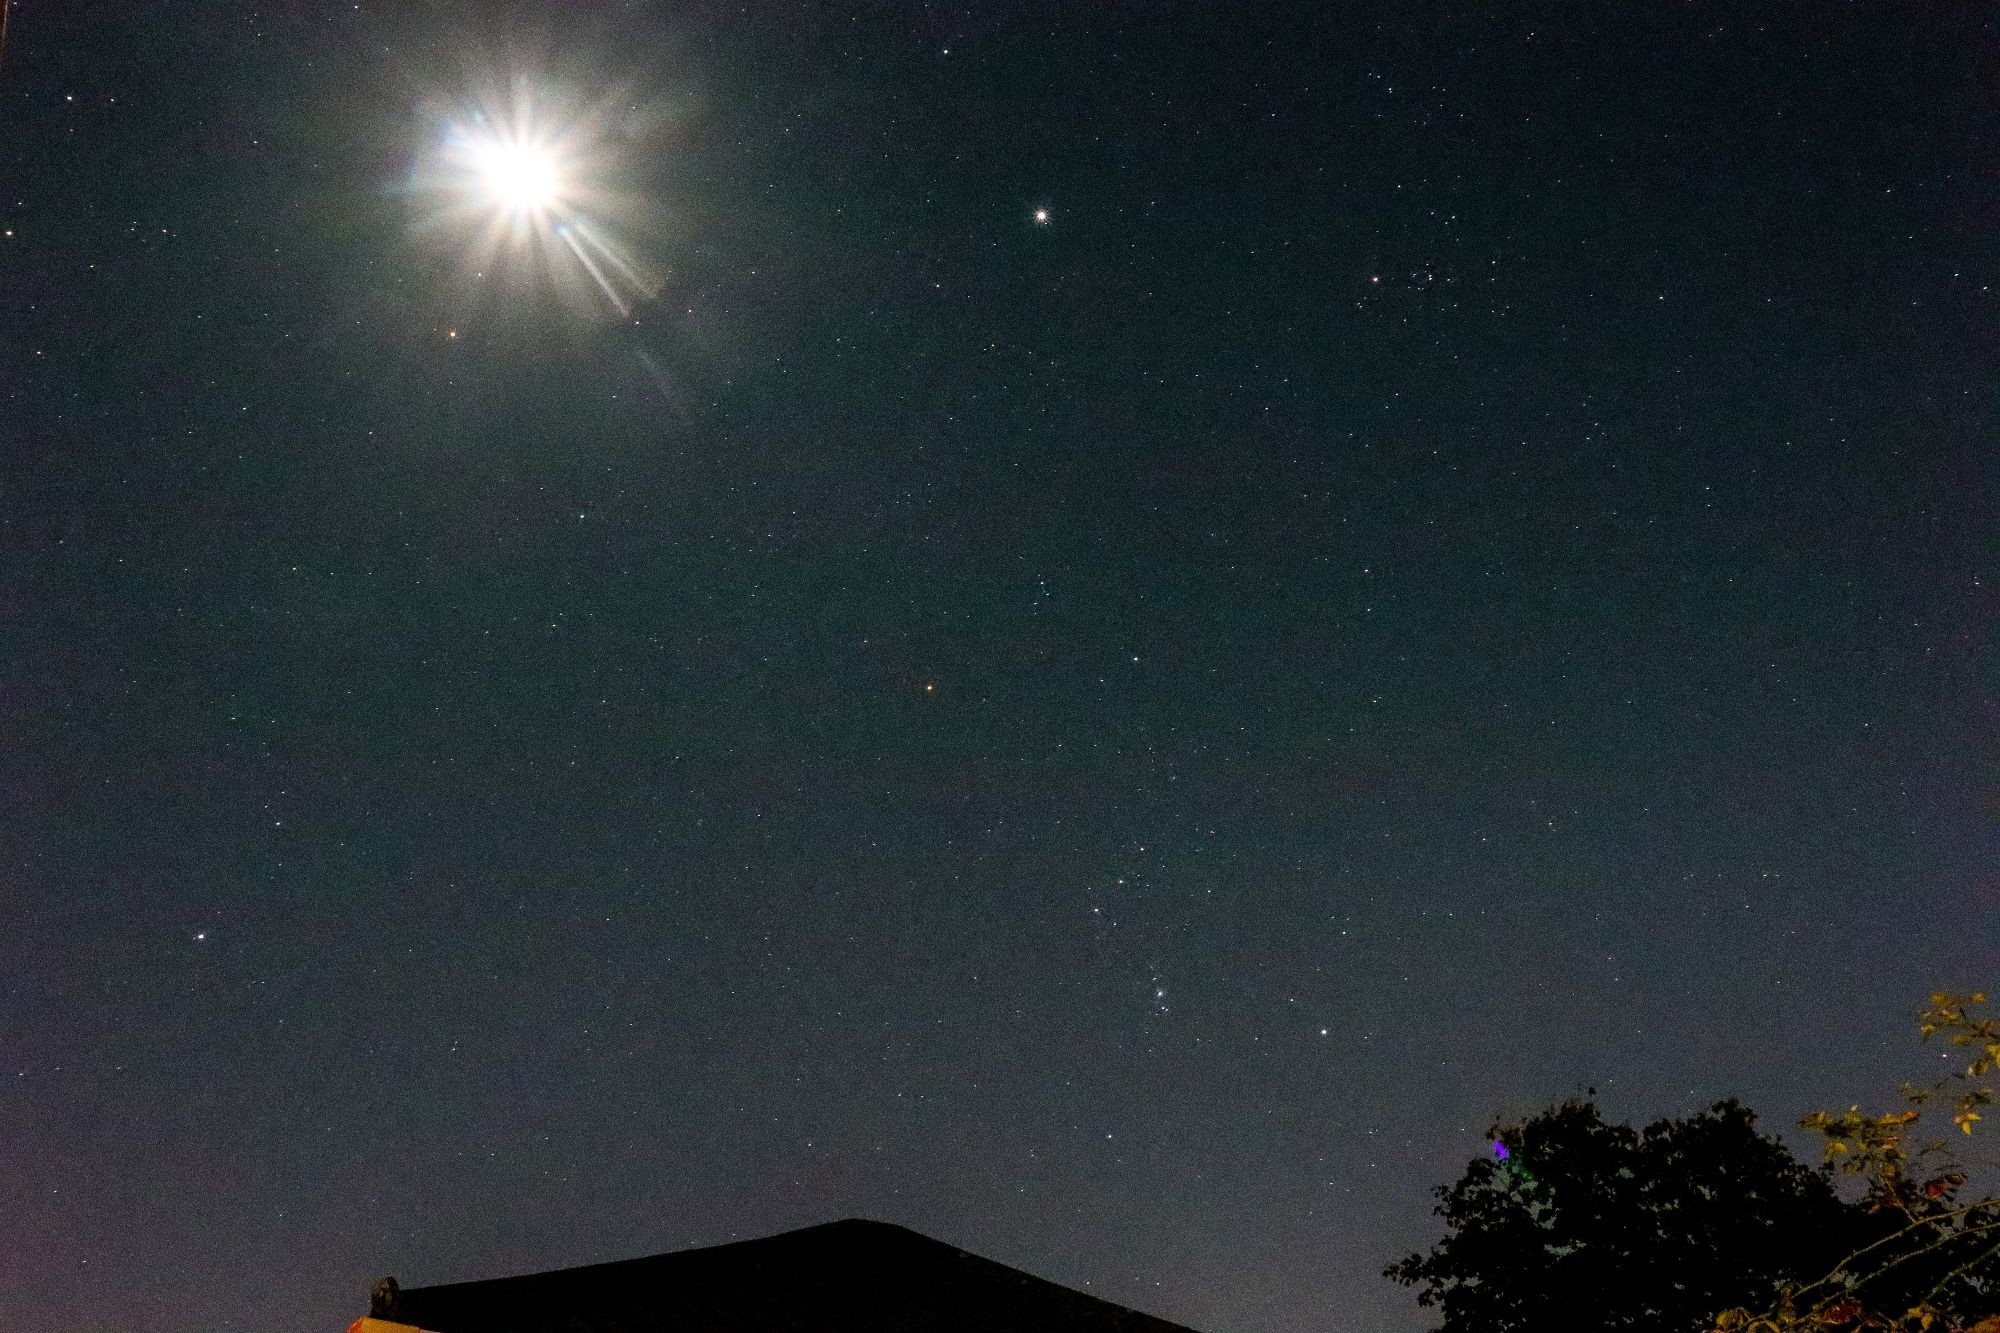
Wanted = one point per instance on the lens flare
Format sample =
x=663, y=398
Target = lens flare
x=518, y=177
x=520, y=174
x=528, y=191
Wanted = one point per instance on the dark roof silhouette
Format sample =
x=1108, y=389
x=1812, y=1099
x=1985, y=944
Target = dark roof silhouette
x=844, y=1277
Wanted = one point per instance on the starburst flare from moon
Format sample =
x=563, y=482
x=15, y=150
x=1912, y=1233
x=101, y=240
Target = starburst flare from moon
x=527, y=188
x=521, y=178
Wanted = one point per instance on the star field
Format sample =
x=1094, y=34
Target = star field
x=1100, y=633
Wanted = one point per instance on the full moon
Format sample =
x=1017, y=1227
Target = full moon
x=536, y=180
x=519, y=178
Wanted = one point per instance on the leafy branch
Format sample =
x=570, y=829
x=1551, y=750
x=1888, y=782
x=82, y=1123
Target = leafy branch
x=1919, y=1184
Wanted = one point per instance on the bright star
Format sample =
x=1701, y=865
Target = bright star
x=1042, y=216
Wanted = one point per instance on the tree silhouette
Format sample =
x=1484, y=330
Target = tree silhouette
x=1575, y=1223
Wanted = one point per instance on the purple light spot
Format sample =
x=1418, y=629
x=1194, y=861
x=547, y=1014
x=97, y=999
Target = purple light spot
x=1500, y=1150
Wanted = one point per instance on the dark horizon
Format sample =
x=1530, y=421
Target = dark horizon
x=1100, y=631
x=853, y=1274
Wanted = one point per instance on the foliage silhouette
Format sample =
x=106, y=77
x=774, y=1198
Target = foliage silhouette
x=1594, y=1225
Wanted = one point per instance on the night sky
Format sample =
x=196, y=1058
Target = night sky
x=1103, y=631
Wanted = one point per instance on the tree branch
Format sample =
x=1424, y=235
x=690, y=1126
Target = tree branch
x=1843, y=1265
x=1963, y=1268
x=1939, y=1243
